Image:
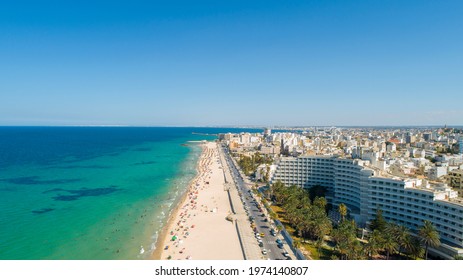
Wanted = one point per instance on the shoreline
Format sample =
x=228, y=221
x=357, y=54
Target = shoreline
x=200, y=227
x=159, y=244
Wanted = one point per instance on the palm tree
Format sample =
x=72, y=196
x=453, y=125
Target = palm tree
x=342, y=209
x=414, y=248
x=400, y=233
x=320, y=202
x=389, y=244
x=429, y=236
x=345, y=238
x=375, y=243
x=319, y=223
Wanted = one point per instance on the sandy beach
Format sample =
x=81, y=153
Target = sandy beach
x=198, y=229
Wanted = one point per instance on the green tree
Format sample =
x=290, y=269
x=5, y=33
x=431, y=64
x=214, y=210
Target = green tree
x=346, y=241
x=375, y=244
x=342, y=208
x=319, y=223
x=267, y=174
x=389, y=244
x=276, y=189
x=320, y=202
x=378, y=223
x=400, y=233
x=413, y=247
x=429, y=236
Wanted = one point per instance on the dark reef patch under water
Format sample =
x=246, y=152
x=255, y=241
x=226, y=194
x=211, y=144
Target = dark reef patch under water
x=81, y=166
x=83, y=192
x=42, y=211
x=144, y=163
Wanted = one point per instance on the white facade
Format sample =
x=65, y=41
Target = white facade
x=403, y=201
x=437, y=171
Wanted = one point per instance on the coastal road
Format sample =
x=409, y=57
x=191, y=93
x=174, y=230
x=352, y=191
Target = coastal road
x=259, y=215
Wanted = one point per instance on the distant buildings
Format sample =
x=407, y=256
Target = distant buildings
x=270, y=150
x=403, y=171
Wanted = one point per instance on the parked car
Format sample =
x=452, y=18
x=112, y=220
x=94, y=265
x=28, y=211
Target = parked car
x=278, y=241
x=264, y=252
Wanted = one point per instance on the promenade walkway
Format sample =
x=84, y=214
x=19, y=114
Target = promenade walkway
x=251, y=249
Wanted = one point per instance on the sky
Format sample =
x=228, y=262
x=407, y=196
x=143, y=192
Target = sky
x=213, y=63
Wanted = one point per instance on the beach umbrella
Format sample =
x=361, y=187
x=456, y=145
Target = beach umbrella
x=174, y=237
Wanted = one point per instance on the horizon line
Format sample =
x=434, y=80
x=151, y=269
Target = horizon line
x=233, y=126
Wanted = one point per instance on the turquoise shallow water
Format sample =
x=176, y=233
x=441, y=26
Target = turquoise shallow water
x=99, y=203
x=91, y=193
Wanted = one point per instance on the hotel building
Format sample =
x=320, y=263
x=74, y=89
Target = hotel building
x=364, y=189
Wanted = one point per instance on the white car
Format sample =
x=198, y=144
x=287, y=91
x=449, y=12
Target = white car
x=264, y=252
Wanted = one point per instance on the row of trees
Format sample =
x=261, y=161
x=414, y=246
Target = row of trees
x=308, y=217
x=386, y=238
x=249, y=164
x=395, y=238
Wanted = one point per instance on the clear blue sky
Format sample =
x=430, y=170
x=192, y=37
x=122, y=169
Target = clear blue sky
x=231, y=62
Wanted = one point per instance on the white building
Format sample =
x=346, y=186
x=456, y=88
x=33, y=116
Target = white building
x=404, y=201
x=437, y=172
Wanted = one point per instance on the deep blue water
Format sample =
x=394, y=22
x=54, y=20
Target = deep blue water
x=91, y=192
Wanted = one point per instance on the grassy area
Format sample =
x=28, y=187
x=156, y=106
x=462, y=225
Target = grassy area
x=325, y=251
x=313, y=252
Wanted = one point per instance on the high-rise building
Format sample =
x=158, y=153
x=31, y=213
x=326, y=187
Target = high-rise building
x=460, y=144
x=403, y=201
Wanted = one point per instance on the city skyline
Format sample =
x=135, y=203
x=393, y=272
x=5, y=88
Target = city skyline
x=263, y=63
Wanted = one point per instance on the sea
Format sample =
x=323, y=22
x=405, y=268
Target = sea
x=92, y=193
